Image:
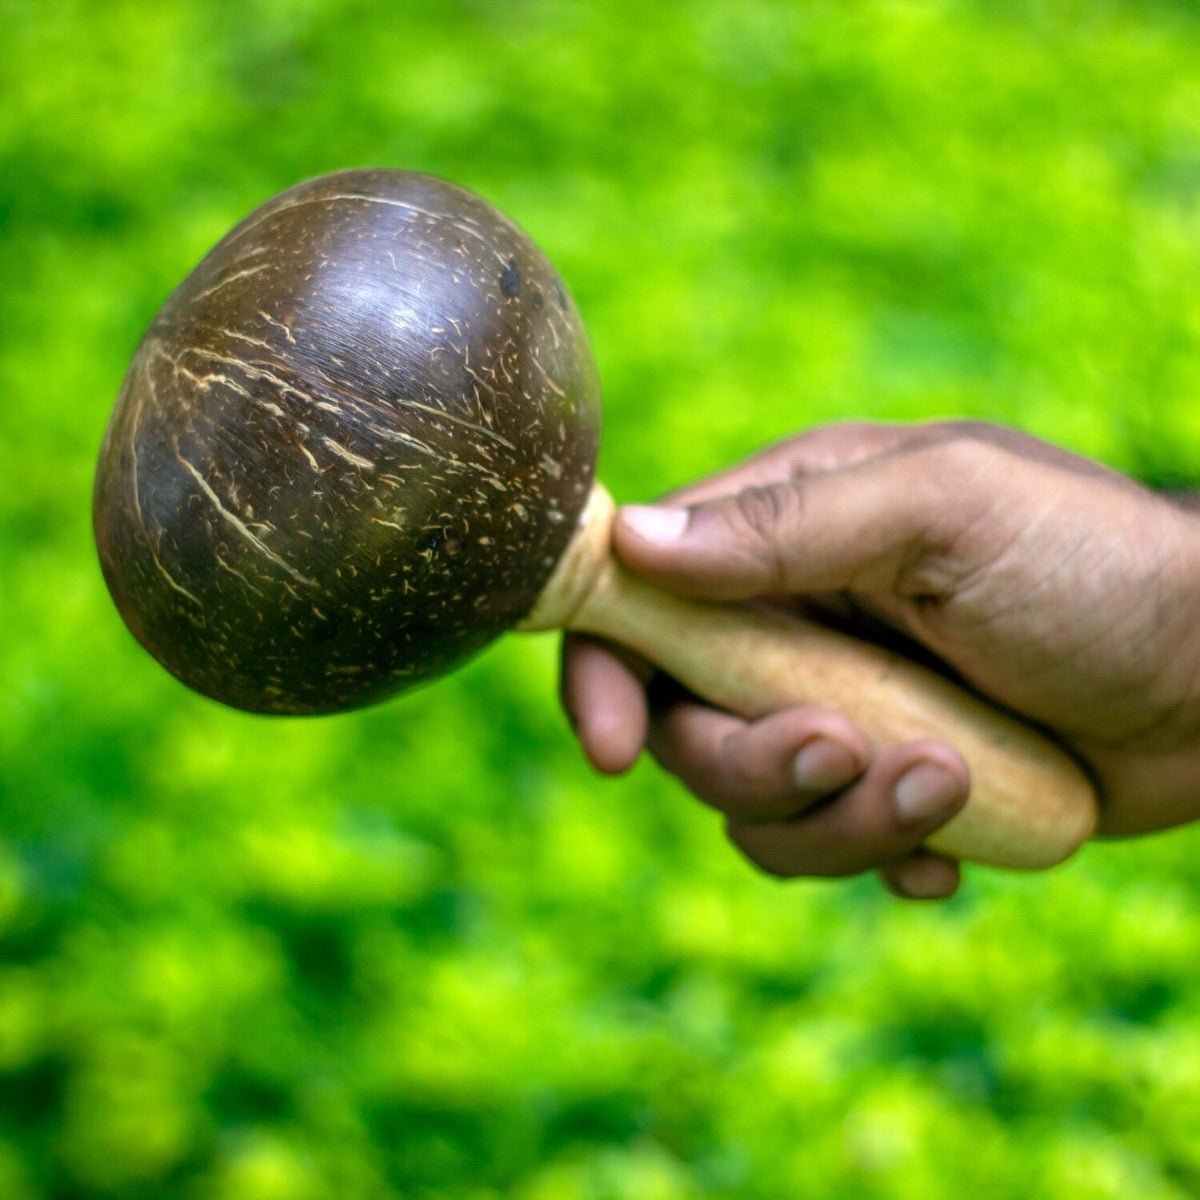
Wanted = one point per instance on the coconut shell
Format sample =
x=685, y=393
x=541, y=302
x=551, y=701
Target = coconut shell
x=350, y=448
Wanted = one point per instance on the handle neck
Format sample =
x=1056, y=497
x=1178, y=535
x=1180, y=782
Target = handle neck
x=580, y=567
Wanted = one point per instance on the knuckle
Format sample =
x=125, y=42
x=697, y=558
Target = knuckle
x=678, y=736
x=968, y=429
x=761, y=518
x=958, y=460
x=683, y=751
x=743, y=774
x=955, y=489
x=759, y=510
x=776, y=869
x=824, y=447
x=756, y=844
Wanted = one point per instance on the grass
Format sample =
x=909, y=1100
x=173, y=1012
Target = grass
x=421, y=951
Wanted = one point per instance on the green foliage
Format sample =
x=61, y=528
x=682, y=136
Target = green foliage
x=421, y=951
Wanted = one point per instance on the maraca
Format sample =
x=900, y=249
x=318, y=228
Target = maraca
x=357, y=443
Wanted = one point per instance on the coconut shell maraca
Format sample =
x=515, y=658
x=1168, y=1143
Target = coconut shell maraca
x=349, y=449
x=357, y=444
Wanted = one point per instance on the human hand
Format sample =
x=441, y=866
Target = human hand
x=1051, y=585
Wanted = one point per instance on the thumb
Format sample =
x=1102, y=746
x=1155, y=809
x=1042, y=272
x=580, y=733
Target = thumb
x=869, y=527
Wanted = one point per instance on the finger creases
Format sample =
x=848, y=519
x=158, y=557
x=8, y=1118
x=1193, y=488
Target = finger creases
x=758, y=771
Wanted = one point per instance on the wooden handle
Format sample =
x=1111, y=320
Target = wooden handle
x=1030, y=804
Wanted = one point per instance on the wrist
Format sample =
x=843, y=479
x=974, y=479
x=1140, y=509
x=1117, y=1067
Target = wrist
x=1150, y=779
x=1183, y=594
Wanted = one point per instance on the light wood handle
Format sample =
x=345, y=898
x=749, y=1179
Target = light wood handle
x=1030, y=804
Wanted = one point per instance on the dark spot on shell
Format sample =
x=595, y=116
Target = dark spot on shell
x=561, y=293
x=326, y=630
x=510, y=280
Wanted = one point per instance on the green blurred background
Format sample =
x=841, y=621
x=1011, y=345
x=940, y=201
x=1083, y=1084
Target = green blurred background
x=421, y=951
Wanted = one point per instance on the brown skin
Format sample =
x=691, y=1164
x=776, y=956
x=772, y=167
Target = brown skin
x=1056, y=588
x=349, y=449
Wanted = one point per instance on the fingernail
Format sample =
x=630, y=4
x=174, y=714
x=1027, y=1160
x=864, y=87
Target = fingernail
x=823, y=764
x=925, y=880
x=653, y=524
x=925, y=792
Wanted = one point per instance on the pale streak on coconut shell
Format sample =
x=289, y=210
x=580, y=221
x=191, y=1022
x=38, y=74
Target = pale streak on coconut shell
x=350, y=449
